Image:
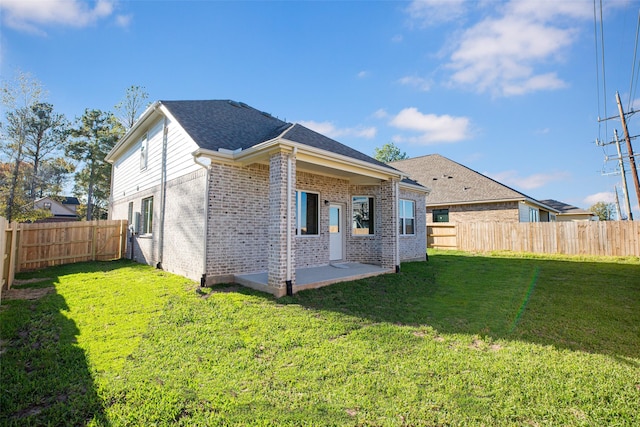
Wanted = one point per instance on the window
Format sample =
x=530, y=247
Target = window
x=147, y=215
x=306, y=213
x=47, y=205
x=144, y=152
x=362, y=215
x=441, y=215
x=130, y=214
x=406, y=216
x=534, y=215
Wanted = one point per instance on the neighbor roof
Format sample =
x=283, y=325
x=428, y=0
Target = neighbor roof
x=566, y=209
x=232, y=125
x=453, y=183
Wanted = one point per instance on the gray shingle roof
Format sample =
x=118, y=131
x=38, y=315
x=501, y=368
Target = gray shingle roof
x=451, y=182
x=233, y=125
x=564, y=208
x=225, y=124
x=314, y=139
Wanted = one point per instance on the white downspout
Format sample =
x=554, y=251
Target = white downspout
x=397, y=254
x=206, y=165
x=289, y=216
x=163, y=191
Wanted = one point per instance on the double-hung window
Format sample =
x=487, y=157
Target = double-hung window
x=406, y=215
x=306, y=213
x=362, y=215
x=147, y=215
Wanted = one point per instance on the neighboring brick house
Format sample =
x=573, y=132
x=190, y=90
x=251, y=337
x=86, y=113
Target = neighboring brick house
x=218, y=189
x=568, y=212
x=459, y=194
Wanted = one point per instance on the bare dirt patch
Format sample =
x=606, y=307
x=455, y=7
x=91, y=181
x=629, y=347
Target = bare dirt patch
x=26, y=294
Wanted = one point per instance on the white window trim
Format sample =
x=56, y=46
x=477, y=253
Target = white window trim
x=370, y=219
x=144, y=218
x=413, y=217
x=299, y=215
x=144, y=152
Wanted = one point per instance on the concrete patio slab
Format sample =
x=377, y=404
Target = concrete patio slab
x=316, y=277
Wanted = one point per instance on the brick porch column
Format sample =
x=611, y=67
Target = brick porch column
x=389, y=225
x=279, y=171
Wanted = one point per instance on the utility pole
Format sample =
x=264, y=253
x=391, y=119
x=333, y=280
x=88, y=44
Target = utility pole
x=625, y=190
x=615, y=191
x=632, y=160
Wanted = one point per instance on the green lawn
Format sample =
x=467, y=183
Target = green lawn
x=458, y=340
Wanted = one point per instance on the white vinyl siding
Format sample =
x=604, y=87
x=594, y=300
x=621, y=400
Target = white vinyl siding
x=128, y=178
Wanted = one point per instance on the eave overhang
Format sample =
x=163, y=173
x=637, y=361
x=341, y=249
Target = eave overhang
x=307, y=159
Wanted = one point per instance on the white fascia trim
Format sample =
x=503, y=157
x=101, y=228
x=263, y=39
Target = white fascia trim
x=415, y=187
x=120, y=145
x=339, y=158
x=302, y=149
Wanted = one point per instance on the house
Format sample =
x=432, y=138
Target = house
x=567, y=212
x=222, y=192
x=62, y=208
x=460, y=194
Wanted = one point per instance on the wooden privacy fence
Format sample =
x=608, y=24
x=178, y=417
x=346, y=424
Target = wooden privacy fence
x=601, y=238
x=35, y=246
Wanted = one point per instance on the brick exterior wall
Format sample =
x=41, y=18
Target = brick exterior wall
x=238, y=221
x=314, y=250
x=182, y=248
x=414, y=248
x=247, y=230
x=484, y=212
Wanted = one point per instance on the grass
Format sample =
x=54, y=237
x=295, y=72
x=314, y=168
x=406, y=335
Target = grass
x=460, y=340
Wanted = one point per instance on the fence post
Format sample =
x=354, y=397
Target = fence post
x=13, y=257
x=94, y=236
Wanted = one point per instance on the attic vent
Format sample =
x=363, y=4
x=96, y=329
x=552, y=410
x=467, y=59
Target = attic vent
x=235, y=103
x=264, y=113
x=244, y=105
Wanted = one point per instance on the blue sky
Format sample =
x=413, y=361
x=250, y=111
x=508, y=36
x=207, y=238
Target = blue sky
x=512, y=89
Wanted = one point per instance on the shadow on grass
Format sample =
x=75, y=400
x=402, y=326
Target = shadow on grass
x=45, y=376
x=583, y=306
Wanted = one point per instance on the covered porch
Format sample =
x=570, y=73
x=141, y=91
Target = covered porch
x=316, y=277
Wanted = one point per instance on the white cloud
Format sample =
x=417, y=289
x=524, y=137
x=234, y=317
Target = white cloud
x=419, y=83
x=397, y=38
x=29, y=16
x=124, y=20
x=432, y=128
x=432, y=12
x=503, y=55
x=607, y=197
x=330, y=130
x=513, y=179
x=362, y=74
x=381, y=114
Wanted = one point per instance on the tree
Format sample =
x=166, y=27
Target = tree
x=18, y=97
x=389, y=153
x=131, y=106
x=603, y=210
x=46, y=134
x=95, y=134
